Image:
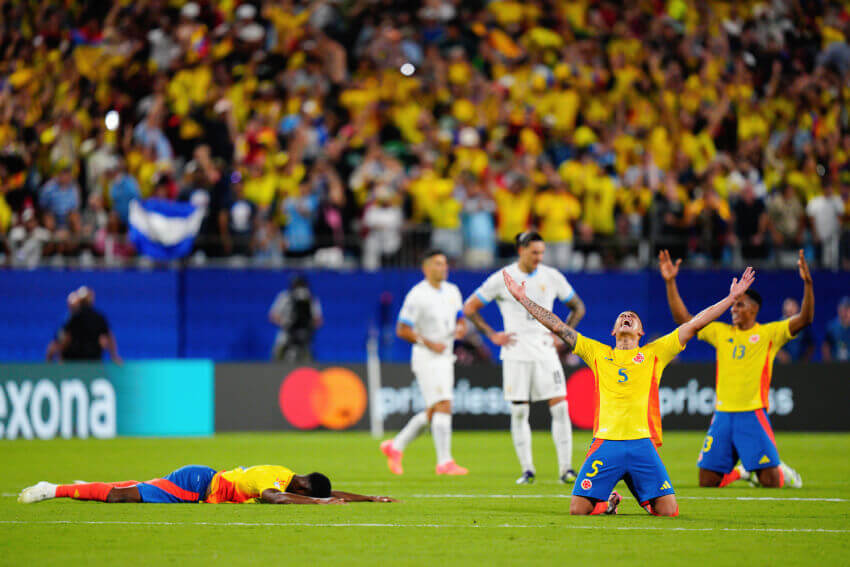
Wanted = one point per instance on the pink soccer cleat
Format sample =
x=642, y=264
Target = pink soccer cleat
x=393, y=457
x=451, y=468
x=613, y=502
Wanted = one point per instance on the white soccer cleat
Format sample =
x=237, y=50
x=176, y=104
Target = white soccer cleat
x=41, y=491
x=792, y=477
x=526, y=478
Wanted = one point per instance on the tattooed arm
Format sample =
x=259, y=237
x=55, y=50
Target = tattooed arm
x=546, y=317
x=577, y=311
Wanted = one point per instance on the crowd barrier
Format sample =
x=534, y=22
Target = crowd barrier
x=197, y=397
x=222, y=314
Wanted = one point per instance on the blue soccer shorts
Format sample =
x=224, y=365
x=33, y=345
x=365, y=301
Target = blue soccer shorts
x=186, y=484
x=744, y=435
x=634, y=461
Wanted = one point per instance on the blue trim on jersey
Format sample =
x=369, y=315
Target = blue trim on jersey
x=459, y=314
x=570, y=296
x=481, y=297
x=407, y=322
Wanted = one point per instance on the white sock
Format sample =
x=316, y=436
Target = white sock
x=410, y=431
x=562, y=435
x=521, y=434
x=441, y=429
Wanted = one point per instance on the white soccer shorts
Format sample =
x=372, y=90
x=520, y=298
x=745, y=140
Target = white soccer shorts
x=436, y=379
x=524, y=381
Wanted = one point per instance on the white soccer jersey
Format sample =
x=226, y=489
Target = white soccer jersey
x=533, y=341
x=433, y=313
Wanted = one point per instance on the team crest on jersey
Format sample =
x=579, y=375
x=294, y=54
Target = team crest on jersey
x=754, y=339
x=638, y=358
x=586, y=484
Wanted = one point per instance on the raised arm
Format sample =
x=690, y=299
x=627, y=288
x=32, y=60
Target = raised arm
x=351, y=497
x=688, y=330
x=272, y=496
x=546, y=317
x=807, y=308
x=471, y=311
x=669, y=271
x=577, y=310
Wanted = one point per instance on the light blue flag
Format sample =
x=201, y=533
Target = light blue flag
x=162, y=229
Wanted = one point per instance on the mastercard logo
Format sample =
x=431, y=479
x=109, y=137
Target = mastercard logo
x=581, y=392
x=334, y=398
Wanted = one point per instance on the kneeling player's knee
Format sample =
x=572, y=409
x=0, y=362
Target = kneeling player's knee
x=667, y=509
x=770, y=478
x=580, y=506
x=709, y=479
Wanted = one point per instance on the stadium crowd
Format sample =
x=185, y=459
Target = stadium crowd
x=363, y=131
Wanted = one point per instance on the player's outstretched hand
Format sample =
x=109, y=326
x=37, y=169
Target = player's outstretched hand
x=803, y=266
x=738, y=288
x=668, y=269
x=383, y=499
x=517, y=290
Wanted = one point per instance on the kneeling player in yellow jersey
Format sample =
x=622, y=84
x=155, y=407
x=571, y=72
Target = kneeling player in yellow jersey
x=745, y=349
x=269, y=484
x=627, y=422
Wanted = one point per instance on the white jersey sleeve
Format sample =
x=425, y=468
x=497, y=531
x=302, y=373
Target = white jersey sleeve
x=409, y=309
x=563, y=290
x=492, y=289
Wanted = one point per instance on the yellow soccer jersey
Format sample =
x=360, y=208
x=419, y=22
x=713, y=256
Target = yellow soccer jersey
x=745, y=362
x=626, y=386
x=246, y=485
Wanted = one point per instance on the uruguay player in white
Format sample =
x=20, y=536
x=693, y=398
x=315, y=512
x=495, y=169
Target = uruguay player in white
x=531, y=369
x=431, y=319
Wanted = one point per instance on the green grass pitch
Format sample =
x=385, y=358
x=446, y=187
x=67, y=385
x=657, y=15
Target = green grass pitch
x=483, y=519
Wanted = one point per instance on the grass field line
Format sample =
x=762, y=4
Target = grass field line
x=394, y=525
x=738, y=498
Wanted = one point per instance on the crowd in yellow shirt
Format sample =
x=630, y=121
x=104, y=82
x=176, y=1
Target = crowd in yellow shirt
x=576, y=118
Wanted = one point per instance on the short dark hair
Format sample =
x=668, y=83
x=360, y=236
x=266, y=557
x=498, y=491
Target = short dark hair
x=523, y=239
x=319, y=485
x=431, y=252
x=754, y=295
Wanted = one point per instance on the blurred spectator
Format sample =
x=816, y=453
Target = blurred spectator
x=787, y=221
x=60, y=200
x=513, y=198
x=111, y=243
x=383, y=222
x=837, y=343
x=557, y=210
x=298, y=314
x=237, y=220
x=802, y=347
x=825, y=212
x=479, y=228
x=28, y=241
x=751, y=222
x=300, y=213
x=123, y=188
x=86, y=334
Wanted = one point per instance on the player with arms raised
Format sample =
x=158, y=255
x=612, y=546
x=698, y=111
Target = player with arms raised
x=745, y=349
x=430, y=318
x=627, y=422
x=531, y=370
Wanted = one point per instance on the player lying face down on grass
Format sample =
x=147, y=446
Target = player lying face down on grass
x=269, y=484
x=627, y=420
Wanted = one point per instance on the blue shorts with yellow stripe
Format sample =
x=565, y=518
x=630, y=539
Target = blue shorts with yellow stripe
x=634, y=461
x=745, y=435
x=186, y=484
